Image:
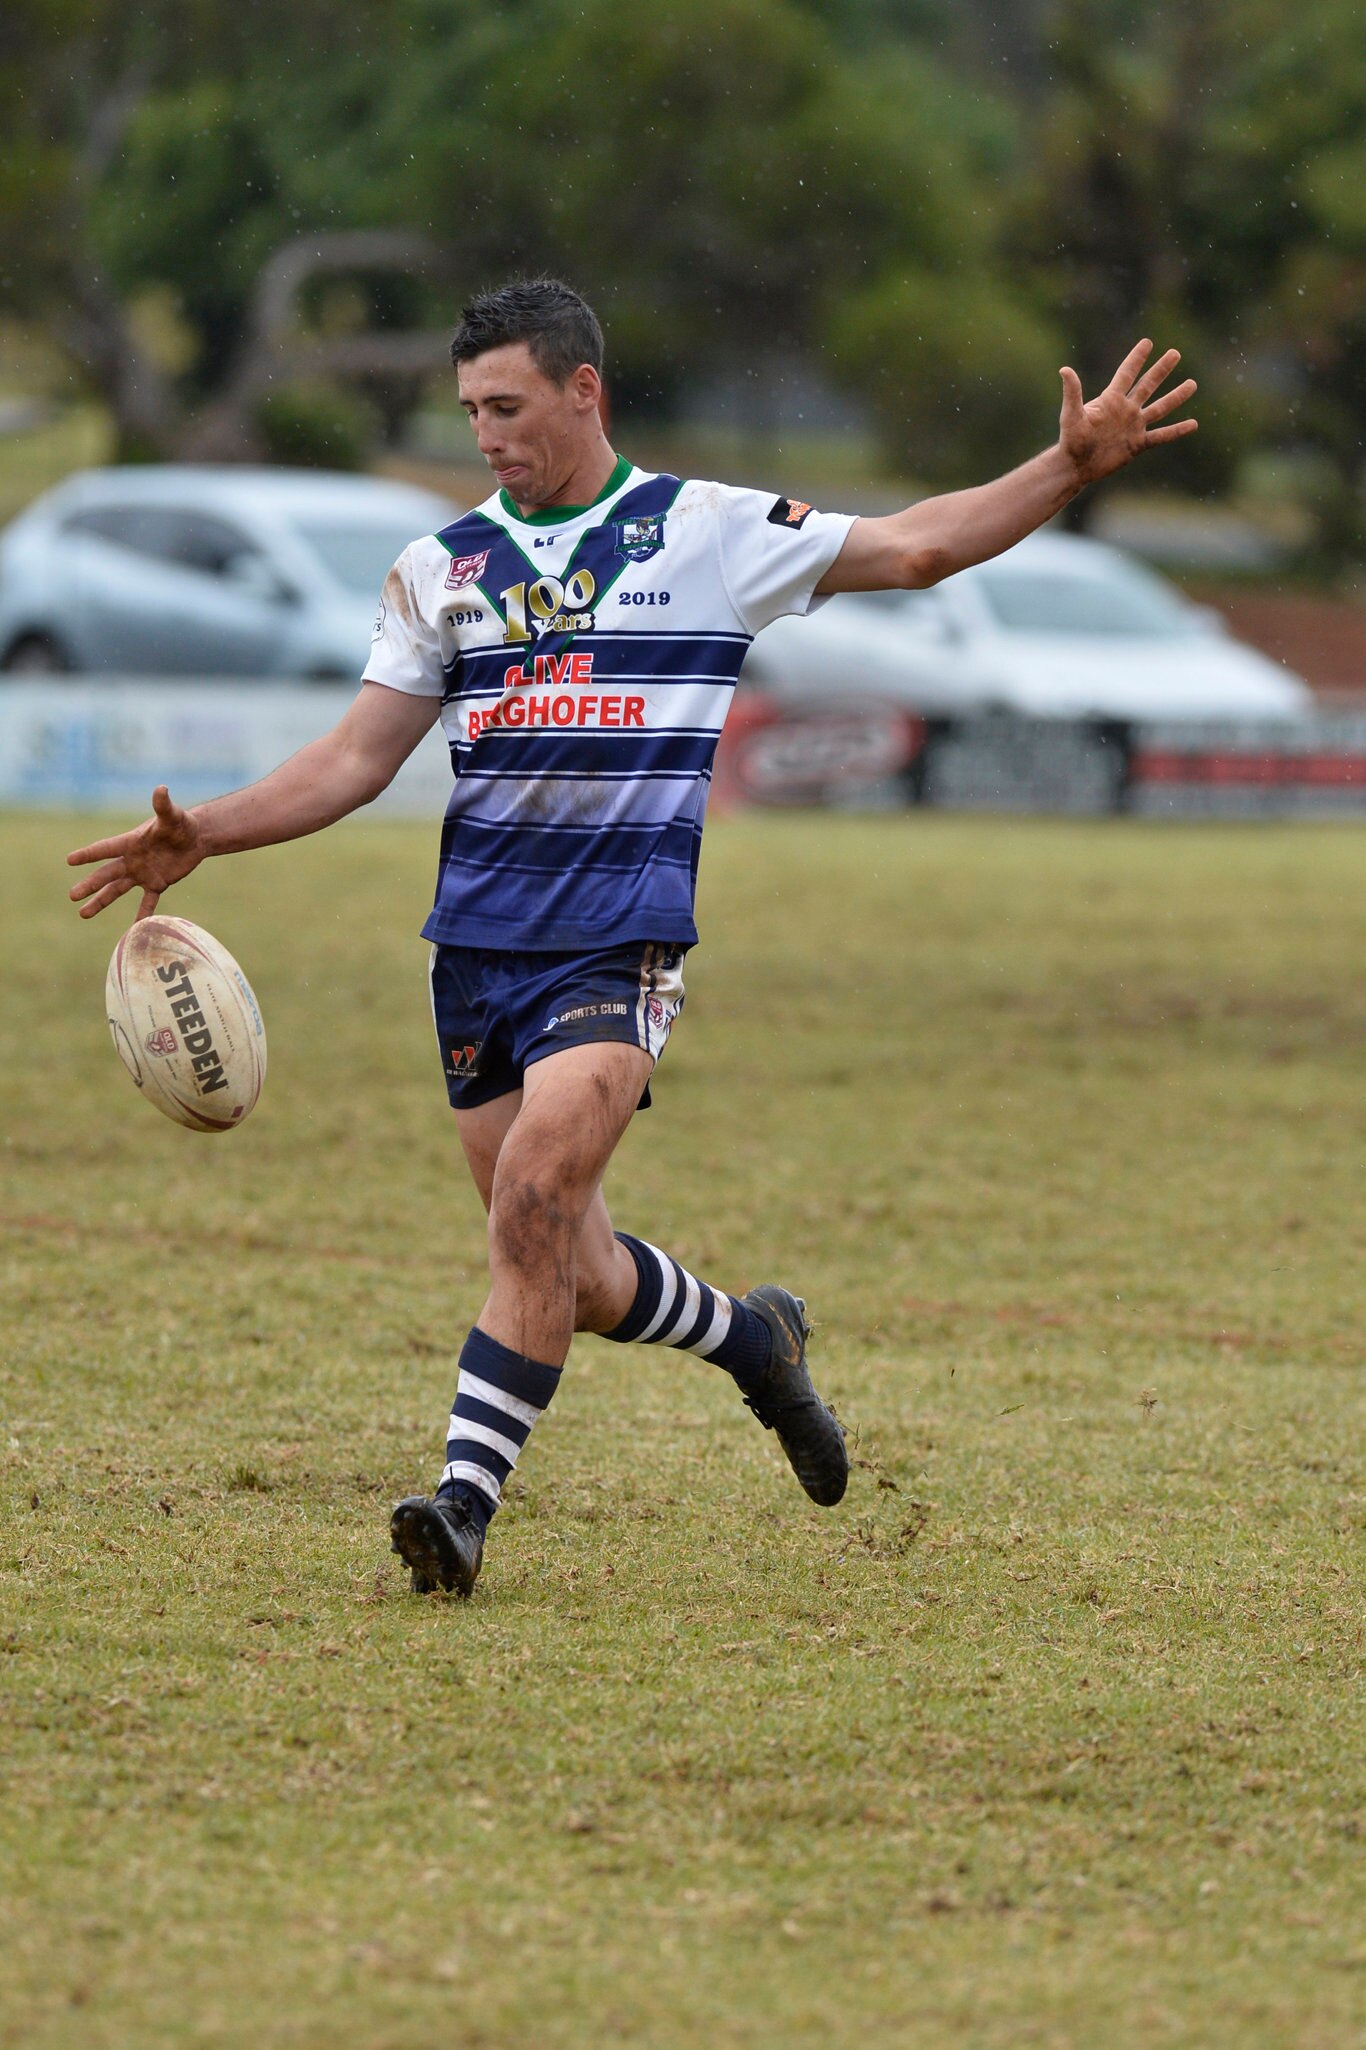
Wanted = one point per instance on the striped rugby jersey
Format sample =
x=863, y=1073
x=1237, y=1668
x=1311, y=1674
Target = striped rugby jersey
x=585, y=659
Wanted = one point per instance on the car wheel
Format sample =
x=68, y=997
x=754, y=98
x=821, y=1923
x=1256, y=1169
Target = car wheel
x=35, y=655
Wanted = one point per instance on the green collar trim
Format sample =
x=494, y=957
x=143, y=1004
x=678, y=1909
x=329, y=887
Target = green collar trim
x=552, y=515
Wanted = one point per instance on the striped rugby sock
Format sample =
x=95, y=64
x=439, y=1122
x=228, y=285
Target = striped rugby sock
x=672, y=1307
x=498, y=1397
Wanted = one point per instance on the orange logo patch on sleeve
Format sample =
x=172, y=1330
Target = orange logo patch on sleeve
x=789, y=512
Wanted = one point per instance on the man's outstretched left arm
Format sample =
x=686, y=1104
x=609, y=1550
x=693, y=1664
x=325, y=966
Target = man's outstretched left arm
x=912, y=549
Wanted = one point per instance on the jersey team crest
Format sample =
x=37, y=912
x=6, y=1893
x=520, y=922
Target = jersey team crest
x=641, y=537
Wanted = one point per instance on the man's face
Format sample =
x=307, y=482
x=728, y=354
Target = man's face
x=532, y=433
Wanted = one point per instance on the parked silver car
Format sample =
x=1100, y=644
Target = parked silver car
x=1059, y=626
x=188, y=570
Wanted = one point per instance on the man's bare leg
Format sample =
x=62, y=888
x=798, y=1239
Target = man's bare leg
x=537, y=1156
x=539, y=1164
x=624, y=1288
x=628, y=1290
x=604, y=1272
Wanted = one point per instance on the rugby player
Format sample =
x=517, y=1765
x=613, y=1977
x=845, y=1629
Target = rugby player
x=579, y=636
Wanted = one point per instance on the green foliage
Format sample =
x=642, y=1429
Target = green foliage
x=743, y=179
x=316, y=426
x=199, y=203
x=1194, y=169
x=717, y=175
x=961, y=371
x=725, y=181
x=655, y=161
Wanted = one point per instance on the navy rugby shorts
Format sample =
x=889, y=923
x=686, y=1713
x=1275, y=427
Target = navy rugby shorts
x=496, y=1012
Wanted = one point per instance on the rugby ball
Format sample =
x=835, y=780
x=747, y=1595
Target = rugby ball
x=185, y=1024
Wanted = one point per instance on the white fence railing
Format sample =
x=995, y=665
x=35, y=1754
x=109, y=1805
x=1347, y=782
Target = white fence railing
x=103, y=745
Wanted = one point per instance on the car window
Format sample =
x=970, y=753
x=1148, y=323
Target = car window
x=1122, y=599
x=358, y=553
x=143, y=529
x=198, y=541
x=192, y=540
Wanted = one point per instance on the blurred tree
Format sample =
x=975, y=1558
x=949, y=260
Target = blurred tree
x=729, y=179
x=952, y=349
x=1122, y=215
x=1302, y=137
x=996, y=40
x=1196, y=175
x=142, y=156
x=728, y=184
x=718, y=175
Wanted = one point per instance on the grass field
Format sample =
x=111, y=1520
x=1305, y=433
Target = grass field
x=1052, y=1734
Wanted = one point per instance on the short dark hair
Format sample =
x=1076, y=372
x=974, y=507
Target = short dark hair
x=559, y=327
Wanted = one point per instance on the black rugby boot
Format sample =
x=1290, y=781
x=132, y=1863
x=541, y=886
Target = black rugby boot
x=441, y=1540
x=784, y=1400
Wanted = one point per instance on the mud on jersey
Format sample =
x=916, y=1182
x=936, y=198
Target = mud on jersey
x=585, y=663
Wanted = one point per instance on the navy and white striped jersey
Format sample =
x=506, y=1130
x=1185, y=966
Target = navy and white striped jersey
x=585, y=659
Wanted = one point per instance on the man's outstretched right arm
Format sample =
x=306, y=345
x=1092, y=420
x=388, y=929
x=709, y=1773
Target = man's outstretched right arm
x=327, y=779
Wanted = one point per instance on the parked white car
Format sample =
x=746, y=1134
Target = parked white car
x=191, y=570
x=1059, y=626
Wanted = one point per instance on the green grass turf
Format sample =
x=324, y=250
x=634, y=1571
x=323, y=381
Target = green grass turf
x=1051, y=1735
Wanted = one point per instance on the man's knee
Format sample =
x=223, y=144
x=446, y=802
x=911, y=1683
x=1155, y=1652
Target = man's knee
x=530, y=1223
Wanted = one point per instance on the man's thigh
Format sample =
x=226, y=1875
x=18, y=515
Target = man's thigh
x=576, y=1104
x=602, y=1290
x=481, y=1133
x=506, y=1024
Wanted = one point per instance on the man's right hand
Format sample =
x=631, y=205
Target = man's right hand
x=153, y=855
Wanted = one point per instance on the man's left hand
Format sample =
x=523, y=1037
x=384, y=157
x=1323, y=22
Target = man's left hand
x=1101, y=435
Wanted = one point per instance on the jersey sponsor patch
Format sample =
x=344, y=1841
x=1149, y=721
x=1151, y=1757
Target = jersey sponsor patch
x=380, y=617
x=466, y=569
x=789, y=512
x=520, y=710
